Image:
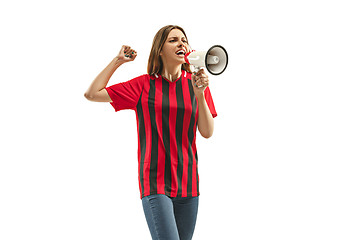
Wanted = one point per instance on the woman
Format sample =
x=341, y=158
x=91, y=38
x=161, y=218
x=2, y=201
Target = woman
x=170, y=104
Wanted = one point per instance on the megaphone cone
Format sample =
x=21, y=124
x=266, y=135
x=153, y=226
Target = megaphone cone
x=215, y=59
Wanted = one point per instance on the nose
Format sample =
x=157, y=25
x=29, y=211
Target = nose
x=180, y=44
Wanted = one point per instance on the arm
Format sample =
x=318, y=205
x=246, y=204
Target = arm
x=205, y=120
x=96, y=92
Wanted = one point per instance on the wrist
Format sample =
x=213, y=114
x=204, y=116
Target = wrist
x=118, y=62
x=200, y=97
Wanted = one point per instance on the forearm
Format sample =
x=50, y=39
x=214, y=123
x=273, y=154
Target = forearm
x=103, y=78
x=205, y=120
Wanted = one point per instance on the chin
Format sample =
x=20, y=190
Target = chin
x=180, y=61
x=175, y=60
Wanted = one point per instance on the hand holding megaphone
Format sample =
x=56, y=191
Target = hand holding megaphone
x=200, y=79
x=215, y=59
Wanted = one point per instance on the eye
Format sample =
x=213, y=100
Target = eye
x=172, y=40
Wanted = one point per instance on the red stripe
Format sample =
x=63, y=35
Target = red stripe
x=139, y=155
x=148, y=131
x=185, y=143
x=195, y=179
x=161, y=149
x=173, y=146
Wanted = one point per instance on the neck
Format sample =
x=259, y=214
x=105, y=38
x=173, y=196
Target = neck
x=171, y=73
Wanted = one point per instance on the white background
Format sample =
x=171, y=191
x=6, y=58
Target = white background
x=282, y=164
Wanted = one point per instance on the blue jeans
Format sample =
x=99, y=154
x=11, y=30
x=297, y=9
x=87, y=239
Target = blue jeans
x=170, y=218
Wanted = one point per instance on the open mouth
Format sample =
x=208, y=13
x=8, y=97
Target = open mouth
x=180, y=52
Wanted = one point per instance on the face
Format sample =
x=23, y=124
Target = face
x=175, y=47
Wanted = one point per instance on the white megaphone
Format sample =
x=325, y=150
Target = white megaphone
x=215, y=59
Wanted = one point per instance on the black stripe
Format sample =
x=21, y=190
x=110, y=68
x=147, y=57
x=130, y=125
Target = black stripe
x=142, y=137
x=179, y=131
x=191, y=136
x=154, y=139
x=197, y=173
x=166, y=134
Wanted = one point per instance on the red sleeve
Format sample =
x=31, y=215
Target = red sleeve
x=210, y=102
x=126, y=95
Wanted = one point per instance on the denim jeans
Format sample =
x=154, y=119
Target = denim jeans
x=170, y=218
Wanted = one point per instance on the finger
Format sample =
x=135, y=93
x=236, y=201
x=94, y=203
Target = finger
x=195, y=80
x=199, y=83
x=202, y=79
x=124, y=49
x=200, y=72
x=130, y=53
x=133, y=55
x=203, y=82
x=125, y=52
x=202, y=75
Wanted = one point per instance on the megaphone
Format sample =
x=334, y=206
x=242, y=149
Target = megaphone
x=215, y=59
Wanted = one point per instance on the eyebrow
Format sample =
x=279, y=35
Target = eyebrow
x=177, y=37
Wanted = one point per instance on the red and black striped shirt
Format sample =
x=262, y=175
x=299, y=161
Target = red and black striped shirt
x=166, y=114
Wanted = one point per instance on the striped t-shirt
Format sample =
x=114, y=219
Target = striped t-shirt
x=166, y=115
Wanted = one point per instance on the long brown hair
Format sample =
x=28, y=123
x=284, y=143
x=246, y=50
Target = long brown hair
x=155, y=64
